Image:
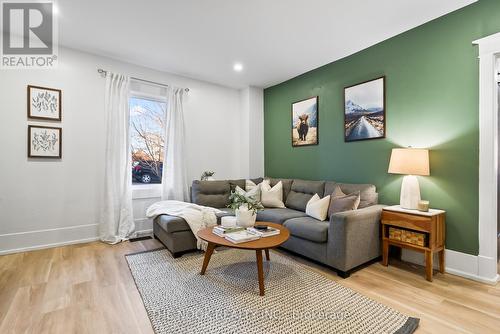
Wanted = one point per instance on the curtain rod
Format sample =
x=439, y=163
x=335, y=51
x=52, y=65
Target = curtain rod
x=104, y=73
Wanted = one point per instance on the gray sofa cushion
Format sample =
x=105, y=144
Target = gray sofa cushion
x=240, y=183
x=278, y=215
x=211, y=193
x=301, y=192
x=308, y=228
x=297, y=201
x=172, y=224
x=368, y=192
x=257, y=180
x=287, y=186
x=308, y=187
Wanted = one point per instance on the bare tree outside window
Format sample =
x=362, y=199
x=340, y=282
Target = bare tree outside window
x=147, y=123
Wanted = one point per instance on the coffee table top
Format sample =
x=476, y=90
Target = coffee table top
x=262, y=243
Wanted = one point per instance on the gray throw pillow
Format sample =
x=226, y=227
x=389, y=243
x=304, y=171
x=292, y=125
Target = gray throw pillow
x=343, y=203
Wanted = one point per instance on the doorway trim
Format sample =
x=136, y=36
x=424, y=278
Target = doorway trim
x=489, y=52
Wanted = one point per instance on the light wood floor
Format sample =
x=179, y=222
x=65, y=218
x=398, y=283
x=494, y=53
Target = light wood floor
x=88, y=288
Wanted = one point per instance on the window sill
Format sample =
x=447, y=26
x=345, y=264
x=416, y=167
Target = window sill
x=143, y=191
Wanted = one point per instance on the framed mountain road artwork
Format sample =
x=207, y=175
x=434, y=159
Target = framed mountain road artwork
x=305, y=121
x=364, y=110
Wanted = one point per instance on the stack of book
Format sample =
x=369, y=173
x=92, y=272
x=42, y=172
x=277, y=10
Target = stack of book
x=221, y=231
x=269, y=232
x=241, y=236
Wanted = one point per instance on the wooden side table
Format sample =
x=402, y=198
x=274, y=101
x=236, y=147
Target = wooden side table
x=429, y=224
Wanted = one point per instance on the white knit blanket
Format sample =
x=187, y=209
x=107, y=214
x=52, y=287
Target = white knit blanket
x=198, y=217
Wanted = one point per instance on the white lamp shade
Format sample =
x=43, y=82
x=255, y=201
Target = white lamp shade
x=409, y=161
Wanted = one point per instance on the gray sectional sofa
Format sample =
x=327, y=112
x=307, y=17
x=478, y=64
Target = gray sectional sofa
x=345, y=241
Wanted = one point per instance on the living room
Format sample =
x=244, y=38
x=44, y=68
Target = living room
x=241, y=167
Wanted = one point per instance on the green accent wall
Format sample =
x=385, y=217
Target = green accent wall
x=432, y=100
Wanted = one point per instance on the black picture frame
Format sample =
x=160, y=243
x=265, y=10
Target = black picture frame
x=374, y=120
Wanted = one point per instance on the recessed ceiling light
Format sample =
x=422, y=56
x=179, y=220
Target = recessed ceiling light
x=238, y=67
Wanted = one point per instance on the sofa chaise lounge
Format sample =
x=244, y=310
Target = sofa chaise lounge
x=345, y=241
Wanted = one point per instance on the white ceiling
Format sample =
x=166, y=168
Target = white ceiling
x=274, y=39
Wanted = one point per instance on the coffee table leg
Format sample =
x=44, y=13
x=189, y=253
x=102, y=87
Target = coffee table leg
x=208, y=255
x=267, y=255
x=260, y=271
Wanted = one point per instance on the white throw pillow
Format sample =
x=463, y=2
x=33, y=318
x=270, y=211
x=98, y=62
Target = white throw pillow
x=249, y=185
x=254, y=193
x=317, y=207
x=272, y=197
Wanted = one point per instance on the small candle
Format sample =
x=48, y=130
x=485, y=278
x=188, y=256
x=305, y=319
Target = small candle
x=423, y=206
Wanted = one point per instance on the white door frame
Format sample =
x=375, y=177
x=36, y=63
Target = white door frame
x=489, y=52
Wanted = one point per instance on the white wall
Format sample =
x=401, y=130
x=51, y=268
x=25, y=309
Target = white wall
x=45, y=202
x=252, y=131
x=256, y=135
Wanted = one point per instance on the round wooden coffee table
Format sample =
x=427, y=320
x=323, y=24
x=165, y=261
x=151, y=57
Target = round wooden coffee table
x=257, y=245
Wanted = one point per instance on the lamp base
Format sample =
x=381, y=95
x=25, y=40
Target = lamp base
x=410, y=193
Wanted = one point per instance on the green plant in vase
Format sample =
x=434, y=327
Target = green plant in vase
x=207, y=176
x=245, y=208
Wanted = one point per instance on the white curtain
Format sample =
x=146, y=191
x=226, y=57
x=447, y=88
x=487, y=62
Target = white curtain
x=174, y=179
x=117, y=223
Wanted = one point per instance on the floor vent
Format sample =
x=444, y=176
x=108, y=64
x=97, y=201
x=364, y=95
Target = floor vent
x=140, y=238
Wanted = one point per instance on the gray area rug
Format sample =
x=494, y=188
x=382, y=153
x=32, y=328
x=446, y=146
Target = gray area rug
x=226, y=300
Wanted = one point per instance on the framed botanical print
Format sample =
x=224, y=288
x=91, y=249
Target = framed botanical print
x=364, y=110
x=44, y=103
x=305, y=121
x=44, y=142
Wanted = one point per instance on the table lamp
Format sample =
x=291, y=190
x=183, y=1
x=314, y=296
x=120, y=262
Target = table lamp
x=411, y=162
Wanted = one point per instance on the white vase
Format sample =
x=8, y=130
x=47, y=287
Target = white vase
x=245, y=217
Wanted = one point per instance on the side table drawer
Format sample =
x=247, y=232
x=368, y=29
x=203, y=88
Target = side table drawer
x=412, y=222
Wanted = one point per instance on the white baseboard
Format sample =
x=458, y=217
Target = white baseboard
x=33, y=240
x=143, y=233
x=456, y=263
x=56, y=237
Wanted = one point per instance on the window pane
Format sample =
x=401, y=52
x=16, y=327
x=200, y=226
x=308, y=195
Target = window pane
x=147, y=122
